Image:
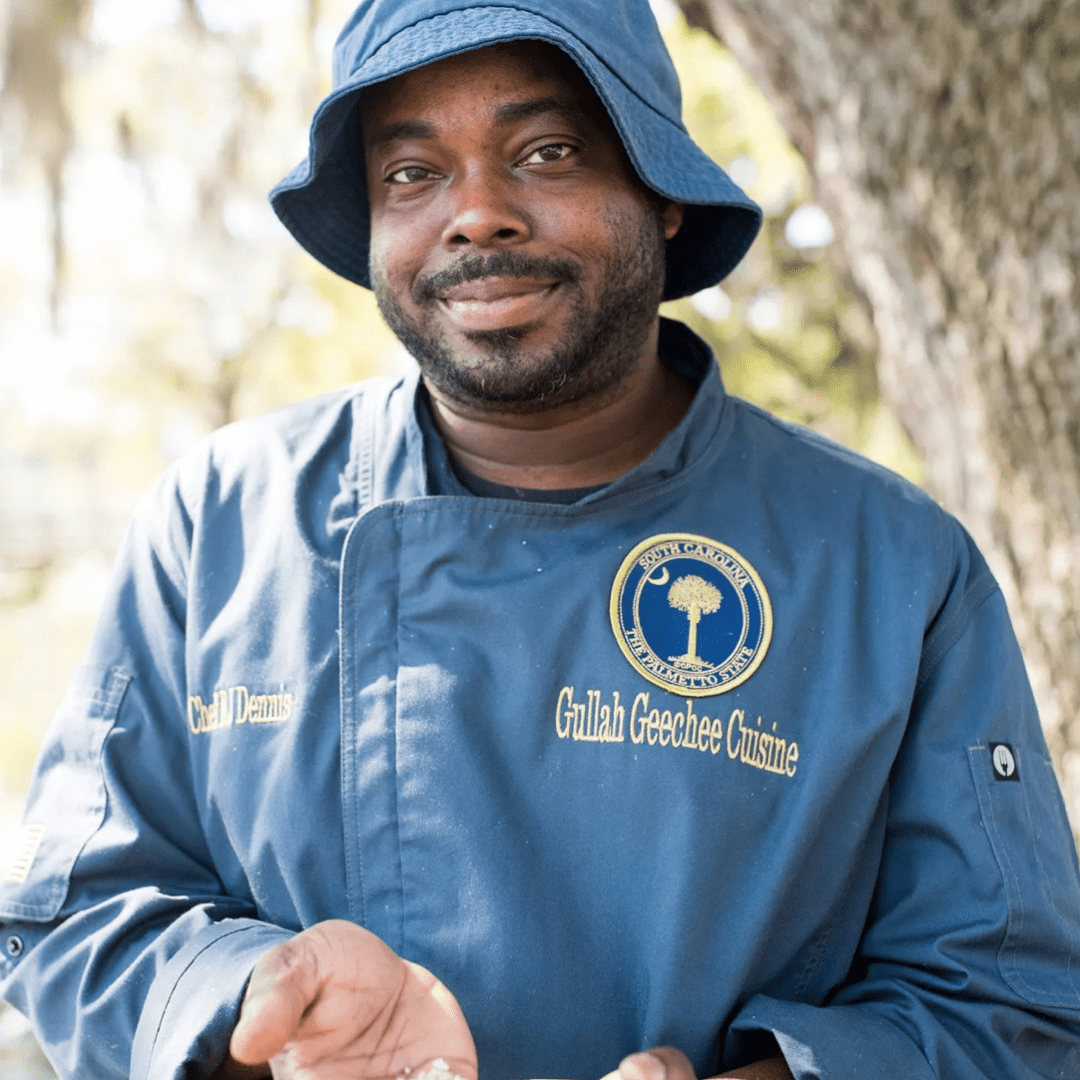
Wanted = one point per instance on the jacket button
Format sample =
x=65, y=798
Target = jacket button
x=14, y=946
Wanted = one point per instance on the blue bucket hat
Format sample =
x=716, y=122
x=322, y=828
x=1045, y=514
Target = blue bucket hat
x=323, y=202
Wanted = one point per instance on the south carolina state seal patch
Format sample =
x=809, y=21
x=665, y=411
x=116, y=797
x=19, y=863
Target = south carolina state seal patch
x=690, y=614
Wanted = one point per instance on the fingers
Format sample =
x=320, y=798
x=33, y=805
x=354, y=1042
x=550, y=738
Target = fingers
x=444, y=1032
x=659, y=1063
x=446, y=1003
x=282, y=985
x=336, y=994
x=667, y=1063
x=676, y=1064
x=290, y=977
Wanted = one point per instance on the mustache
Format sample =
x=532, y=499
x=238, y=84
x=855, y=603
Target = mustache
x=501, y=264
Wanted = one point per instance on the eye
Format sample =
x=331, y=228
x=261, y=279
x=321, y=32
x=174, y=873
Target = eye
x=544, y=155
x=411, y=174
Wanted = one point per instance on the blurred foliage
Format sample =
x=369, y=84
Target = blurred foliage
x=147, y=293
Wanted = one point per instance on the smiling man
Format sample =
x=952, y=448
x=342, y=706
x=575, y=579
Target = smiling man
x=547, y=712
x=520, y=259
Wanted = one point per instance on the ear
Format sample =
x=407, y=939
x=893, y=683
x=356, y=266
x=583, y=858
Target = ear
x=671, y=216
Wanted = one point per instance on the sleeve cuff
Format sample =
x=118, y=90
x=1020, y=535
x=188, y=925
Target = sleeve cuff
x=823, y=1043
x=194, y=1002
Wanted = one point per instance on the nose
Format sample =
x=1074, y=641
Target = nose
x=484, y=213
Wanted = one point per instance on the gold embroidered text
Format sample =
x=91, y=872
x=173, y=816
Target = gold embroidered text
x=237, y=705
x=761, y=749
x=589, y=720
x=683, y=728
x=600, y=721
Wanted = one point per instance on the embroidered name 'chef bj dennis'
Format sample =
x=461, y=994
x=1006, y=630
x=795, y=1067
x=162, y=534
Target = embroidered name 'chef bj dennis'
x=690, y=614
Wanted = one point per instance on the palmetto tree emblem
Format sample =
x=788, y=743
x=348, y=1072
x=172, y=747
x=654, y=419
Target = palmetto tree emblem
x=696, y=597
x=647, y=629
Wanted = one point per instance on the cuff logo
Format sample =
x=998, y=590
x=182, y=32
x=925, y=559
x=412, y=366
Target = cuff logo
x=1001, y=754
x=690, y=614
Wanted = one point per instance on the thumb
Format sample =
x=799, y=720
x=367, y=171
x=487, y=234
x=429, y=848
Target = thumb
x=658, y=1063
x=283, y=984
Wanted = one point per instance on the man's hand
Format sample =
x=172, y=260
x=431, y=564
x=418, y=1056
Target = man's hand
x=667, y=1063
x=335, y=1003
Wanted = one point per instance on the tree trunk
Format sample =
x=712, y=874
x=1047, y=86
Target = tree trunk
x=944, y=136
x=694, y=615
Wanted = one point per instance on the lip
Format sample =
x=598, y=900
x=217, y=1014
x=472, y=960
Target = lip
x=497, y=303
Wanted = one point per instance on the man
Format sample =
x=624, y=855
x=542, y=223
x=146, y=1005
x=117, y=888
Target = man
x=553, y=713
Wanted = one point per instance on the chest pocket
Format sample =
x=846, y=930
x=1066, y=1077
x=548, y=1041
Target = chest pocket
x=66, y=805
x=1043, y=890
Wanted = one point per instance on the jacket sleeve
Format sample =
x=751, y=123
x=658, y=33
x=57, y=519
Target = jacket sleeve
x=117, y=938
x=969, y=964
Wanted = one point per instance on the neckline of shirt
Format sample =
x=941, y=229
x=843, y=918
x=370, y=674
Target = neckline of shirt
x=680, y=350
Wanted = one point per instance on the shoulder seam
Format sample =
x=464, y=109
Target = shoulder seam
x=826, y=445
x=944, y=638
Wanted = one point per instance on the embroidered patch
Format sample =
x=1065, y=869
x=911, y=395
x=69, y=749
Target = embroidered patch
x=23, y=852
x=1001, y=754
x=690, y=614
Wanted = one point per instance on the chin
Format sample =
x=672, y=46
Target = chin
x=514, y=384
x=519, y=369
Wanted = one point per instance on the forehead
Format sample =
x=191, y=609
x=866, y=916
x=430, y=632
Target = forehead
x=488, y=77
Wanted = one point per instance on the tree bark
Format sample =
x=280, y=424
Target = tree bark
x=943, y=136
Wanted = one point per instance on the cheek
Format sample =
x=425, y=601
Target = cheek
x=389, y=257
x=616, y=237
x=401, y=246
x=380, y=239
x=602, y=219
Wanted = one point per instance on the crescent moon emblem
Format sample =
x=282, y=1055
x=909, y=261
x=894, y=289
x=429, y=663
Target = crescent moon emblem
x=662, y=580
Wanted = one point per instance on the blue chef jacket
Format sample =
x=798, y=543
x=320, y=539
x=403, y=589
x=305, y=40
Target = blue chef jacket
x=801, y=796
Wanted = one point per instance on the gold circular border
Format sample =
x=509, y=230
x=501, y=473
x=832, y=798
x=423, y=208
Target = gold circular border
x=616, y=625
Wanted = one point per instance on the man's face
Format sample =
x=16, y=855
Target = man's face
x=513, y=249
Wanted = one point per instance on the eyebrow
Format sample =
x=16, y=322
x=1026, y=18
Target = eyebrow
x=523, y=110
x=403, y=129
x=505, y=114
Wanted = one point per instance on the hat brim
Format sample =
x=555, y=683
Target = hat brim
x=323, y=202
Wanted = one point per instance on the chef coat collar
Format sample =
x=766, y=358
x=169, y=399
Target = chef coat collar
x=680, y=349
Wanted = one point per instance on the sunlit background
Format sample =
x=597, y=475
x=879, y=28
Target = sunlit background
x=148, y=294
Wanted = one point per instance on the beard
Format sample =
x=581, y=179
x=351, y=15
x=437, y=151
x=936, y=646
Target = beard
x=600, y=344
